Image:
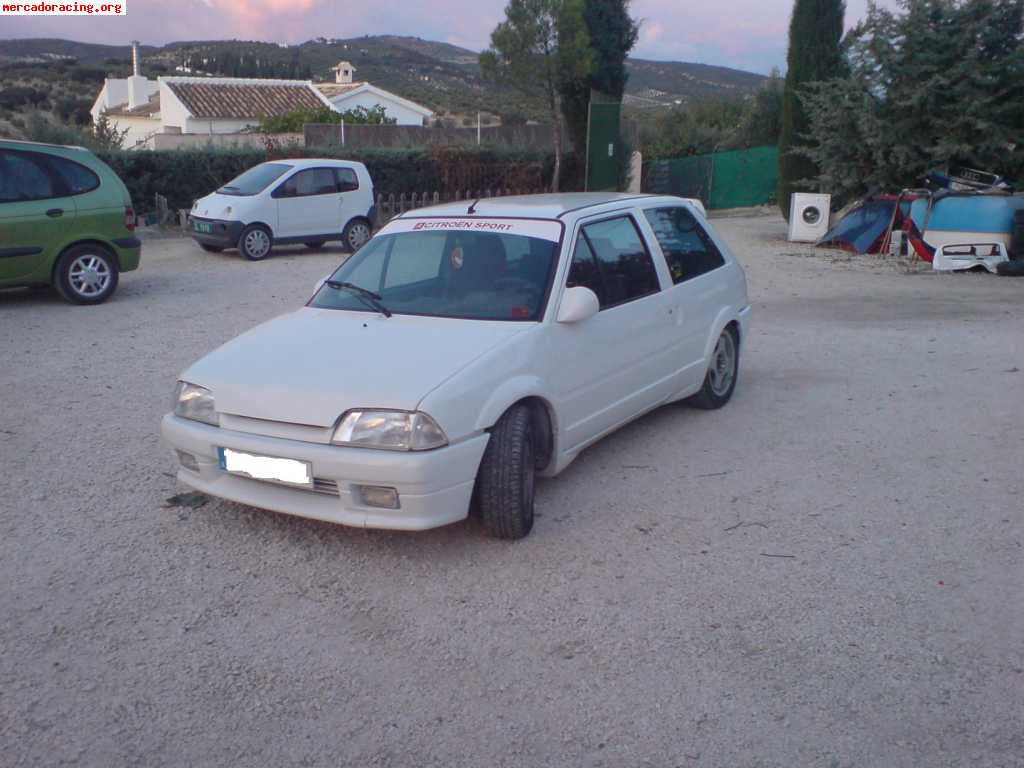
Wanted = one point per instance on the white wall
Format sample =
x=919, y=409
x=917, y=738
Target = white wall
x=225, y=140
x=218, y=126
x=404, y=115
x=172, y=112
x=139, y=129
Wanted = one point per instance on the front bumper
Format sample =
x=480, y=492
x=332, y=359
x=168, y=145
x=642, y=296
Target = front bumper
x=434, y=487
x=223, y=234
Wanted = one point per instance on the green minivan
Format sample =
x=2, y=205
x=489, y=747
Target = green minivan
x=66, y=220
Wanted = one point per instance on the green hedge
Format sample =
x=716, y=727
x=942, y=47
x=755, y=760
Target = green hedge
x=183, y=176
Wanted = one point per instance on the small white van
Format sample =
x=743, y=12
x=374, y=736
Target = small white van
x=308, y=200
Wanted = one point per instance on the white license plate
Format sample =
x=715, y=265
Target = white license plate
x=270, y=468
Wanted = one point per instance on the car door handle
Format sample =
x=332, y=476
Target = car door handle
x=53, y=213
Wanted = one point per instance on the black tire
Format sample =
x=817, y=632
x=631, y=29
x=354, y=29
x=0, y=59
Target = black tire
x=507, y=476
x=210, y=248
x=249, y=239
x=1013, y=268
x=356, y=234
x=315, y=245
x=86, y=274
x=715, y=393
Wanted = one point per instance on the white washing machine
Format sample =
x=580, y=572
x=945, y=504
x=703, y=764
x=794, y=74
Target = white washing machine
x=808, y=217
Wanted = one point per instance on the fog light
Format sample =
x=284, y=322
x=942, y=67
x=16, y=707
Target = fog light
x=188, y=461
x=378, y=496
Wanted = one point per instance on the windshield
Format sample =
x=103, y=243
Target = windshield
x=430, y=269
x=255, y=180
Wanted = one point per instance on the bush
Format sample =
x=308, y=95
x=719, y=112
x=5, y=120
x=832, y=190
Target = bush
x=183, y=176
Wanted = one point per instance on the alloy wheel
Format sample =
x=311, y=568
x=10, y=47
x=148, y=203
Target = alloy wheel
x=89, y=275
x=723, y=364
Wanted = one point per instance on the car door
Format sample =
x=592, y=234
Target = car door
x=308, y=203
x=697, y=293
x=34, y=212
x=350, y=196
x=616, y=364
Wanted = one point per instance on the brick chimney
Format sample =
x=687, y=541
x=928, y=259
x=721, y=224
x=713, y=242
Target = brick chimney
x=344, y=72
x=138, y=93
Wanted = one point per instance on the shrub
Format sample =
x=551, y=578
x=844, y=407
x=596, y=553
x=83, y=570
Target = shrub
x=183, y=176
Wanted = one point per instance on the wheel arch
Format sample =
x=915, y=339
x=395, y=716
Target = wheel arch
x=726, y=318
x=257, y=223
x=94, y=241
x=543, y=423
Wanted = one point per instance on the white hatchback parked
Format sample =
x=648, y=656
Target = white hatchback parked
x=307, y=201
x=463, y=351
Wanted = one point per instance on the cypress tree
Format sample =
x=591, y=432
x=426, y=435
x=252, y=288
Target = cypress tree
x=613, y=33
x=815, y=32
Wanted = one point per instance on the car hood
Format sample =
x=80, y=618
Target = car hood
x=214, y=206
x=310, y=366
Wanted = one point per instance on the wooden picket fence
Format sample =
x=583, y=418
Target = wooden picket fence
x=389, y=206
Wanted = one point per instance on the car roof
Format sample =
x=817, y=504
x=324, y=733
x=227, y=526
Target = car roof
x=317, y=162
x=548, y=206
x=19, y=144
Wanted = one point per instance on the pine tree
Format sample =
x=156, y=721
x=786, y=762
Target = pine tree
x=939, y=83
x=815, y=32
x=613, y=33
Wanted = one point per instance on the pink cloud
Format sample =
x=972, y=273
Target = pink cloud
x=749, y=34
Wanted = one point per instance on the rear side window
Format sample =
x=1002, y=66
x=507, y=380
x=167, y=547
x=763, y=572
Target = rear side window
x=314, y=181
x=611, y=255
x=347, y=180
x=688, y=249
x=77, y=178
x=24, y=176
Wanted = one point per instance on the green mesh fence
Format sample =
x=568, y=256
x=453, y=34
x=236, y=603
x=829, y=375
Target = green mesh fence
x=736, y=179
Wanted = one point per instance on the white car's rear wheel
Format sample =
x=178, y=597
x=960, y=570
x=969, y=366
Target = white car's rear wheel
x=356, y=233
x=720, y=379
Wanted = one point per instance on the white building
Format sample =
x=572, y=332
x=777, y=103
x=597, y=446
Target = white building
x=130, y=103
x=345, y=94
x=216, y=105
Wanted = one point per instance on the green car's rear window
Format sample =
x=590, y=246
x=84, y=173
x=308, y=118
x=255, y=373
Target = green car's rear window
x=77, y=178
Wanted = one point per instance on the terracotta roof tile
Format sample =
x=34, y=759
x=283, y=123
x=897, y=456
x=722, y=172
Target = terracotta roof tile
x=146, y=110
x=330, y=90
x=243, y=100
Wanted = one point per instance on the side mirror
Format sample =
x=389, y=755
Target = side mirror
x=578, y=303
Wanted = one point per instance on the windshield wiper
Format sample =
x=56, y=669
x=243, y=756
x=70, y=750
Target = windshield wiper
x=371, y=299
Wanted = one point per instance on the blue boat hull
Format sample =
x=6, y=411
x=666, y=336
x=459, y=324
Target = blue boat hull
x=967, y=218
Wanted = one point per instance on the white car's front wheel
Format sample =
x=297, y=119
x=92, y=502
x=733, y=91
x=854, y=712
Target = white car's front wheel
x=255, y=242
x=507, y=476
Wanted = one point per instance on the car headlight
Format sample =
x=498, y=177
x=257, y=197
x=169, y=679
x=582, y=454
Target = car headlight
x=389, y=430
x=196, y=403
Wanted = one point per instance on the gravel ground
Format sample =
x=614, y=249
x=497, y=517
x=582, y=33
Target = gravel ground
x=825, y=573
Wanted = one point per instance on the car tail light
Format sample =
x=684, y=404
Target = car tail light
x=129, y=218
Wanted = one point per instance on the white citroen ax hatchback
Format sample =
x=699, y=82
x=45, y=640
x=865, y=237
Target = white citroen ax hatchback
x=307, y=201
x=460, y=353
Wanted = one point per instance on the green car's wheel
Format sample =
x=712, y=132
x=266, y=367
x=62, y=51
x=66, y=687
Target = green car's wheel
x=86, y=274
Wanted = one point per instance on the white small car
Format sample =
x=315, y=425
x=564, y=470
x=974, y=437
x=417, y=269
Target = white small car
x=307, y=201
x=466, y=349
